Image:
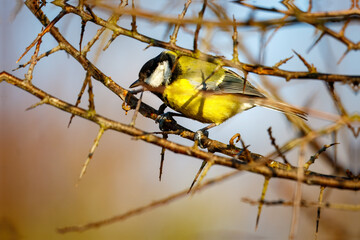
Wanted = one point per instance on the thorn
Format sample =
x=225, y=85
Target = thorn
x=281, y=62
x=274, y=32
x=150, y=45
x=316, y=155
x=83, y=25
x=343, y=56
x=203, y=164
x=316, y=42
x=310, y=67
x=261, y=203
x=87, y=81
x=43, y=101
x=91, y=153
x=165, y=136
x=203, y=174
x=132, y=124
x=319, y=209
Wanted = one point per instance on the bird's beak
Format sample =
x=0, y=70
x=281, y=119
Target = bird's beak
x=135, y=84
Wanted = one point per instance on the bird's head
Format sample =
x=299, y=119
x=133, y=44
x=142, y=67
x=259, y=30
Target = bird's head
x=156, y=72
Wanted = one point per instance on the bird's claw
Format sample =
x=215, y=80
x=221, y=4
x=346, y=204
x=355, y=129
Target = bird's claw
x=199, y=134
x=162, y=119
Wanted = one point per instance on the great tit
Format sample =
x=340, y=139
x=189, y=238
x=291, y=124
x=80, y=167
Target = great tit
x=202, y=90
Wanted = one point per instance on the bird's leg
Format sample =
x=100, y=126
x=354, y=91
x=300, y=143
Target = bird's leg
x=162, y=109
x=199, y=134
x=162, y=117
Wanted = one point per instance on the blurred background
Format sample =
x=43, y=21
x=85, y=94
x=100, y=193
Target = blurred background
x=41, y=158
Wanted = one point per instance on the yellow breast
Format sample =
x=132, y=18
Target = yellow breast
x=199, y=105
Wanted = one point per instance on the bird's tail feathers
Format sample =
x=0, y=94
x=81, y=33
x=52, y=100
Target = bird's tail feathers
x=281, y=107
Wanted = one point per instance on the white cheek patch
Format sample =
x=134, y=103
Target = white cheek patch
x=160, y=75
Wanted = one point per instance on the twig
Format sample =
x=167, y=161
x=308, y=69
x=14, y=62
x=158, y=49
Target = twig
x=316, y=156
x=297, y=195
x=276, y=146
x=310, y=178
x=258, y=69
x=33, y=62
x=136, y=211
x=47, y=29
x=307, y=204
x=133, y=17
x=235, y=56
x=173, y=36
x=199, y=25
x=45, y=54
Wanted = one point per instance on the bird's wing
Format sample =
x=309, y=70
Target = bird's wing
x=214, y=79
x=233, y=83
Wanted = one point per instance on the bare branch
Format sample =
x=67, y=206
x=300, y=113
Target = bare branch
x=271, y=170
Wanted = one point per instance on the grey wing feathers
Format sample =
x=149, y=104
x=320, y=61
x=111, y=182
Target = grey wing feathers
x=233, y=83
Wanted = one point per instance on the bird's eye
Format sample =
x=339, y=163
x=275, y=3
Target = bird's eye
x=143, y=75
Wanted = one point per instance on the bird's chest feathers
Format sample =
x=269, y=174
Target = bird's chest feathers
x=203, y=106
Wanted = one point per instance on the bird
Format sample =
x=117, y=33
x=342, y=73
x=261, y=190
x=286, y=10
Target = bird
x=202, y=90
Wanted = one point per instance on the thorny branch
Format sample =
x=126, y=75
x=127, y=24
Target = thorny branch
x=238, y=158
x=258, y=69
x=271, y=169
x=148, y=111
